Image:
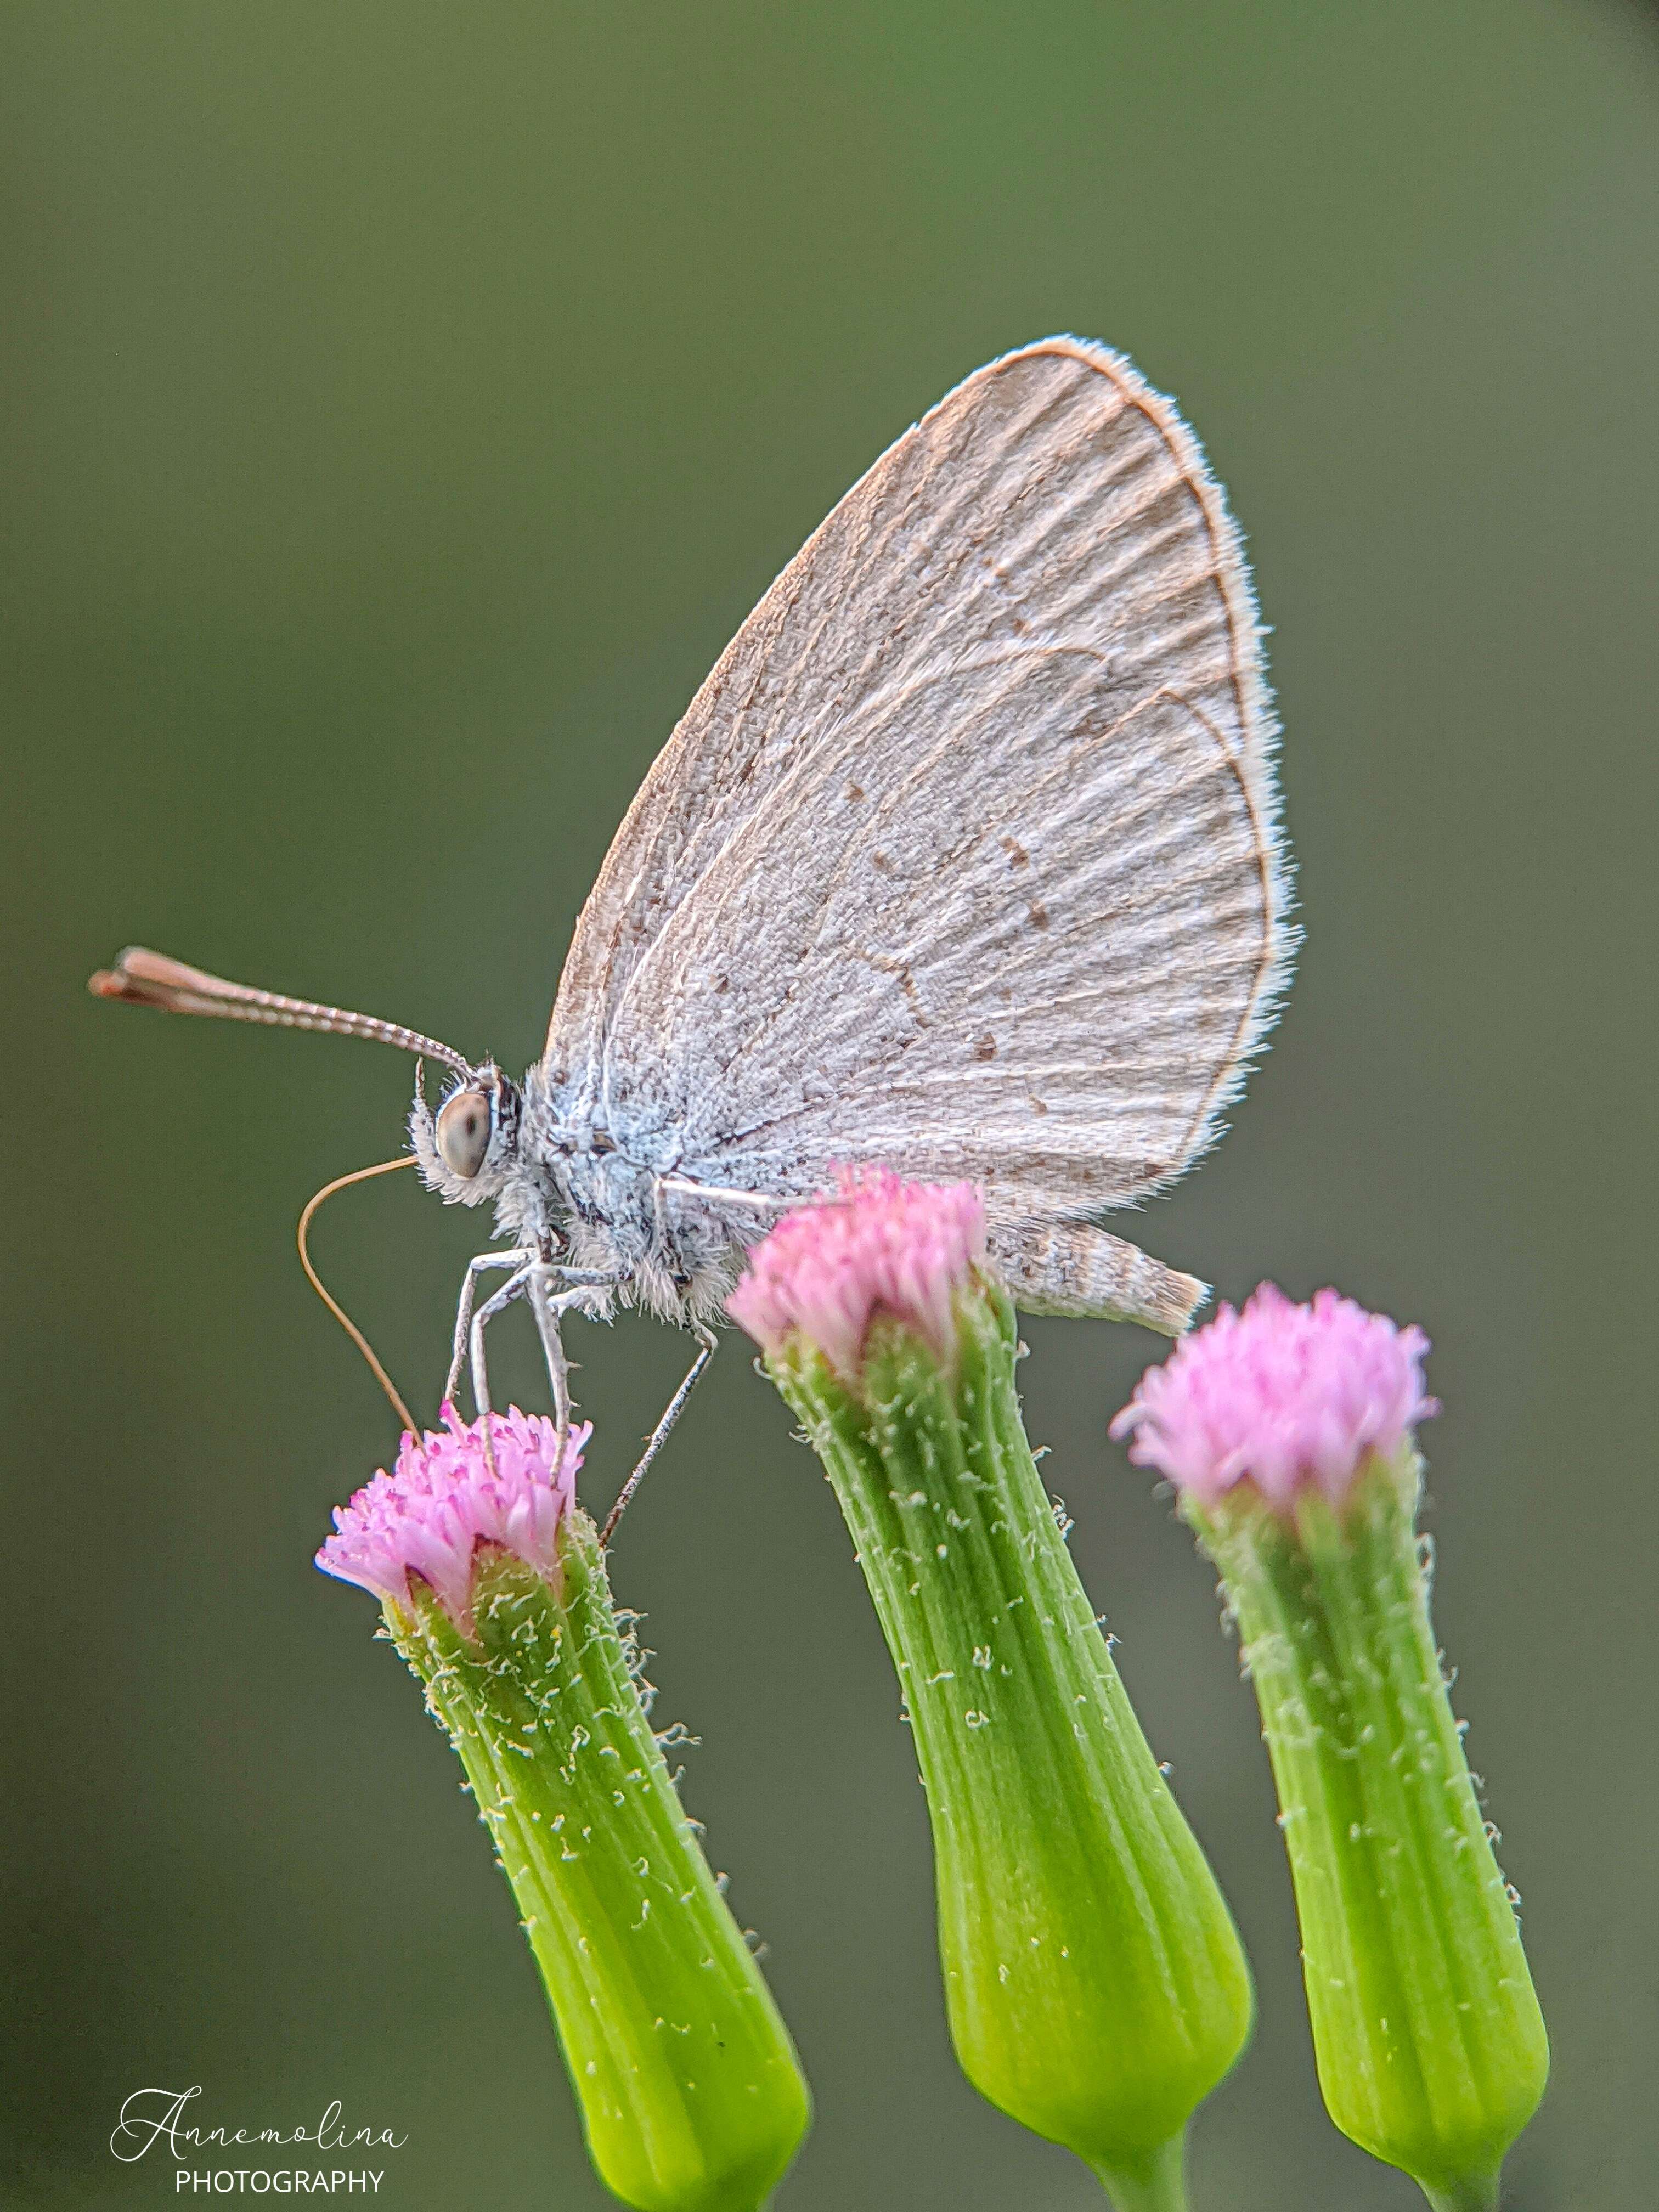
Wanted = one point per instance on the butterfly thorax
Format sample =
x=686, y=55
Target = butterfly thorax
x=611, y=1205
x=604, y=1200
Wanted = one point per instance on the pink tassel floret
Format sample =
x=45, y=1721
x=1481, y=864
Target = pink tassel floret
x=1283, y=1396
x=441, y=1502
x=881, y=1246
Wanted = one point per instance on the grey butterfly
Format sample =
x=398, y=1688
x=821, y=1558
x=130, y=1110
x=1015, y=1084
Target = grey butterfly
x=964, y=859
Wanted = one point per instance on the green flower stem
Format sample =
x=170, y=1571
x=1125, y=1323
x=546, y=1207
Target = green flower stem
x=1157, y=2183
x=1431, y=2045
x=690, y=2093
x=1478, y=2195
x=1095, y=1983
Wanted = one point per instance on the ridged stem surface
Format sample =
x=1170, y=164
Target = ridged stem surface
x=690, y=2093
x=1430, y=2046
x=1095, y=1983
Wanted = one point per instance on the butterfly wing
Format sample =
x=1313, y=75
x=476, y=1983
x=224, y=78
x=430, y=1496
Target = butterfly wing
x=964, y=858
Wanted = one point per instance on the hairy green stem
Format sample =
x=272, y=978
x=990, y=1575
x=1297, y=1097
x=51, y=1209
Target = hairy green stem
x=1431, y=2047
x=1095, y=1983
x=690, y=2093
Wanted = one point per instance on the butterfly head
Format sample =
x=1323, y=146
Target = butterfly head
x=467, y=1148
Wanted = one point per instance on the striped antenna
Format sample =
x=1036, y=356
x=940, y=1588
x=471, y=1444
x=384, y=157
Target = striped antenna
x=143, y=978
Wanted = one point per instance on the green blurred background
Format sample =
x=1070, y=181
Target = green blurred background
x=404, y=402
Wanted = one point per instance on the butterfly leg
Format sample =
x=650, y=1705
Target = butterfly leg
x=547, y=1308
x=481, y=1408
x=709, y=1344
x=463, y=1311
x=547, y=1302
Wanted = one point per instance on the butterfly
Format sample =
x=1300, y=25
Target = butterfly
x=965, y=860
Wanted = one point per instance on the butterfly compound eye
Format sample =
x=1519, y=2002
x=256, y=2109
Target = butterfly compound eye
x=463, y=1133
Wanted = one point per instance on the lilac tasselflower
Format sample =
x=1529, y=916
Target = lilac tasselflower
x=443, y=1499
x=1288, y=1433
x=493, y=1588
x=1095, y=1983
x=905, y=1249
x=1280, y=1395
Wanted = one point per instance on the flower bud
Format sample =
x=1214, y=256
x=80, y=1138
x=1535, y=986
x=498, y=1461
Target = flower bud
x=1287, y=1431
x=1095, y=1983
x=494, y=1588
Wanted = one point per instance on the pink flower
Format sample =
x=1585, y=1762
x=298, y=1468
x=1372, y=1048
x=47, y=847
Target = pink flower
x=441, y=1502
x=883, y=1246
x=1281, y=1395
